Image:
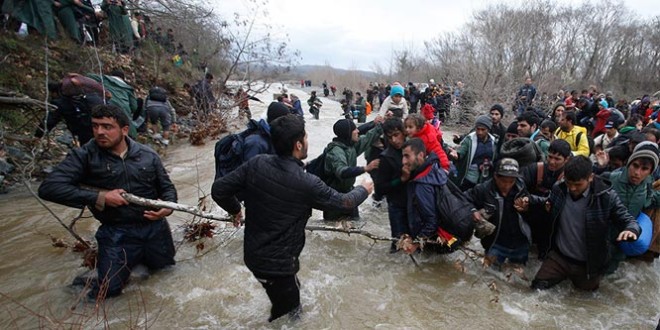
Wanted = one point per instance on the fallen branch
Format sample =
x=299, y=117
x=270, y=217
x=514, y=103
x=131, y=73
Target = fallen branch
x=194, y=210
x=26, y=101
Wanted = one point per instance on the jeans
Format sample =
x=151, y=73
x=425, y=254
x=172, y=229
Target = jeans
x=398, y=219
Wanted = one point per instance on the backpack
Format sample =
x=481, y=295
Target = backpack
x=229, y=150
x=317, y=167
x=367, y=108
x=158, y=94
x=455, y=211
x=590, y=140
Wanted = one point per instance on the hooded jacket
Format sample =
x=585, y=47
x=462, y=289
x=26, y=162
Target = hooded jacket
x=421, y=190
x=342, y=155
x=466, y=152
x=431, y=138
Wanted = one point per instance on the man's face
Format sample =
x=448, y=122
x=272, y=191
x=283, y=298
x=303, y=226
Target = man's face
x=545, y=131
x=495, y=116
x=639, y=125
x=509, y=136
x=564, y=124
x=524, y=129
x=556, y=161
x=576, y=188
x=355, y=135
x=304, y=147
x=616, y=163
x=611, y=131
x=396, y=139
x=107, y=132
x=638, y=170
x=481, y=132
x=397, y=98
x=412, y=161
x=504, y=184
x=528, y=81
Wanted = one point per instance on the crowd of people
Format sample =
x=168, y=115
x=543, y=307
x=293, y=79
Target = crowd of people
x=539, y=186
x=533, y=188
x=82, y=22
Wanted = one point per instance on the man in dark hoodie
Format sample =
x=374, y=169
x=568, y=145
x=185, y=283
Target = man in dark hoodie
x=390, y=178
x=423, y=173
x=341, y=160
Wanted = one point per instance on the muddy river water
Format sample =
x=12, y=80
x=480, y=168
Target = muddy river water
x=348, y=282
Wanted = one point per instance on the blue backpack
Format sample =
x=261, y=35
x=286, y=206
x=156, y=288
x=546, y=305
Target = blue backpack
x=229, y=150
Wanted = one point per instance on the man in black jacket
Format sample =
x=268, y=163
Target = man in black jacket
x=583, y=210
x=112, y=164
x=389, y=180
x=279, y=197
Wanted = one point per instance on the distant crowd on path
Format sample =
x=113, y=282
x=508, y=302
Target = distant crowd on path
x=84, y=24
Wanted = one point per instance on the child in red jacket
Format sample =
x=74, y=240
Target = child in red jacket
x=416, y=126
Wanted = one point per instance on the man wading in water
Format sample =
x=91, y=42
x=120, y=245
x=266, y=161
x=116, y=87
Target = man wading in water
x=279, y=197
x=114, y=164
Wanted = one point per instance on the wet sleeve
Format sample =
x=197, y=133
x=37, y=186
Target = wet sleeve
x=622, y=218
x=324, y=197
x=224, y=189
x=426, y=208
x=62, y=186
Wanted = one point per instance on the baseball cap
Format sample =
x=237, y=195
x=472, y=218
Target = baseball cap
x=508, y=167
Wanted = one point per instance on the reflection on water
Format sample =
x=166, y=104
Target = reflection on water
x=347, y=281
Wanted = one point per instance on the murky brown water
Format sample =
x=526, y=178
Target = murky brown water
x=347, y=282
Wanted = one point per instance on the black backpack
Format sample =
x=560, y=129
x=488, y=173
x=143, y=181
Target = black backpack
x=590, y=140
x=158, y=94
x=229, y=150
x=317, y=167
x=455, y=211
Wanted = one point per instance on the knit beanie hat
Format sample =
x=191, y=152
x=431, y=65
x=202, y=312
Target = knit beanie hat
x=276, y=110
x=343, y=129
x=646, y=149
x=499, y=109
x=397, y=89
x=513, y=128
x=604, y=104
x=484, y=121
x=427, y=111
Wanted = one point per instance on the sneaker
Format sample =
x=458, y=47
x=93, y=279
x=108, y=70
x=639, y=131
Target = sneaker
x=483, y=228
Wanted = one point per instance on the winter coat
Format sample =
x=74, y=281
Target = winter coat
x=578, y=148
x=297, y=108
x=340, y=156
x=486, y=195
x=388, y=180
x=279, y=197
x=601, y=119
x=140, y=173
x=432, y=140
x=604, y=213
x=466, y=152
x=636, y=198
x=421, y=190
x=400, y=110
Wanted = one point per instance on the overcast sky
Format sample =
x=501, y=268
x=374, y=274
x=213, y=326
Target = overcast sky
x=353, y=34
